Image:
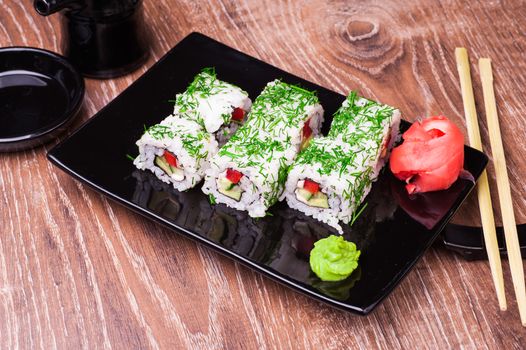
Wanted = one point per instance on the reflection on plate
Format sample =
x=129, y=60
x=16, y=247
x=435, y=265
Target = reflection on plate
x=391, y=238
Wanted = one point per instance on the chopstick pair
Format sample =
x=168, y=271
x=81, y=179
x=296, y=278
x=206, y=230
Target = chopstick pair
x=503, y=186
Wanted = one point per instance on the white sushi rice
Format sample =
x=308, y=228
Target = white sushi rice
x=390, y=129
x=215, y=108
x=184, y=138
x=259, y=190
x=286, y=122
x=293, y=133
x=211, y=102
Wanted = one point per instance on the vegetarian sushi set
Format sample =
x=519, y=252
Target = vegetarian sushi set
x=250, y=155
x=261, y=142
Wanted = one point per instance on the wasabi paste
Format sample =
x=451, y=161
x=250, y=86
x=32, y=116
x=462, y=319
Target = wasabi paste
x=333, y=258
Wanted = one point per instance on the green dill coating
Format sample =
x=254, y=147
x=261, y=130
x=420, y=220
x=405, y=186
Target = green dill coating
x=204, y=85
x=346, y=162
x=360, y=119
x=250, y=148
x=264, y=141
x=281, y=105
x=192, y=143
x=330, y=157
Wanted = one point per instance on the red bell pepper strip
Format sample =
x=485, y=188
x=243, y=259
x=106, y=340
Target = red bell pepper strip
x=170, y=158
x=311, y=186
x=307, y=131
x=233, y=176
x=238, y=114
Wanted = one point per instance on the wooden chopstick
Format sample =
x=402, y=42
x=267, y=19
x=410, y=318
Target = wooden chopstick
x=484, y=198
x=503, y=185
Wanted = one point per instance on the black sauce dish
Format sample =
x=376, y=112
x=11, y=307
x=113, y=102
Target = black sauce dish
x=40, y=94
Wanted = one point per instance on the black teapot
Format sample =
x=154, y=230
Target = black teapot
x=102, y=38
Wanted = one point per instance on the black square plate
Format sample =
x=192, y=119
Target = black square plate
x=393, y=231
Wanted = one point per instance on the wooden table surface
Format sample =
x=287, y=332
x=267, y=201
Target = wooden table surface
x=79, y=271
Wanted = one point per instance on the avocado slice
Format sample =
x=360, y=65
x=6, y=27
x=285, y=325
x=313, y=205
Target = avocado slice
x=304, y=194
x=318, y=199
x=305, y=143
x=225, y=184
x=234, y=193
x=229, y=189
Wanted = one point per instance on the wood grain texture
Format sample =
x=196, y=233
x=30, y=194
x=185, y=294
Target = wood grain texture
x=77, y=271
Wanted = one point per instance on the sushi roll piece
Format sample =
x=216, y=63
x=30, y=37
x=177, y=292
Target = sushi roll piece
x=219, y=107
x=288, y=113
x=250, y=170
x=368, y=123
x=177, y=151
x=331, y=178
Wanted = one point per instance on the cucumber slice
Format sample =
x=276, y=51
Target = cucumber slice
x=229, y=189
x=304, y=194
x=163, y=164
x=174, y=172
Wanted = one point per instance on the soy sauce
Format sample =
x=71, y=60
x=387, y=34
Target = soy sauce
x=29, y=102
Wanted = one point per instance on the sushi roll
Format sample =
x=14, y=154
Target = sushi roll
x=177, y=151
x=368, y=123
x=250, y=170
x=328, y=181
x=288, y=113
x=219, y=107
x=331, y=178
